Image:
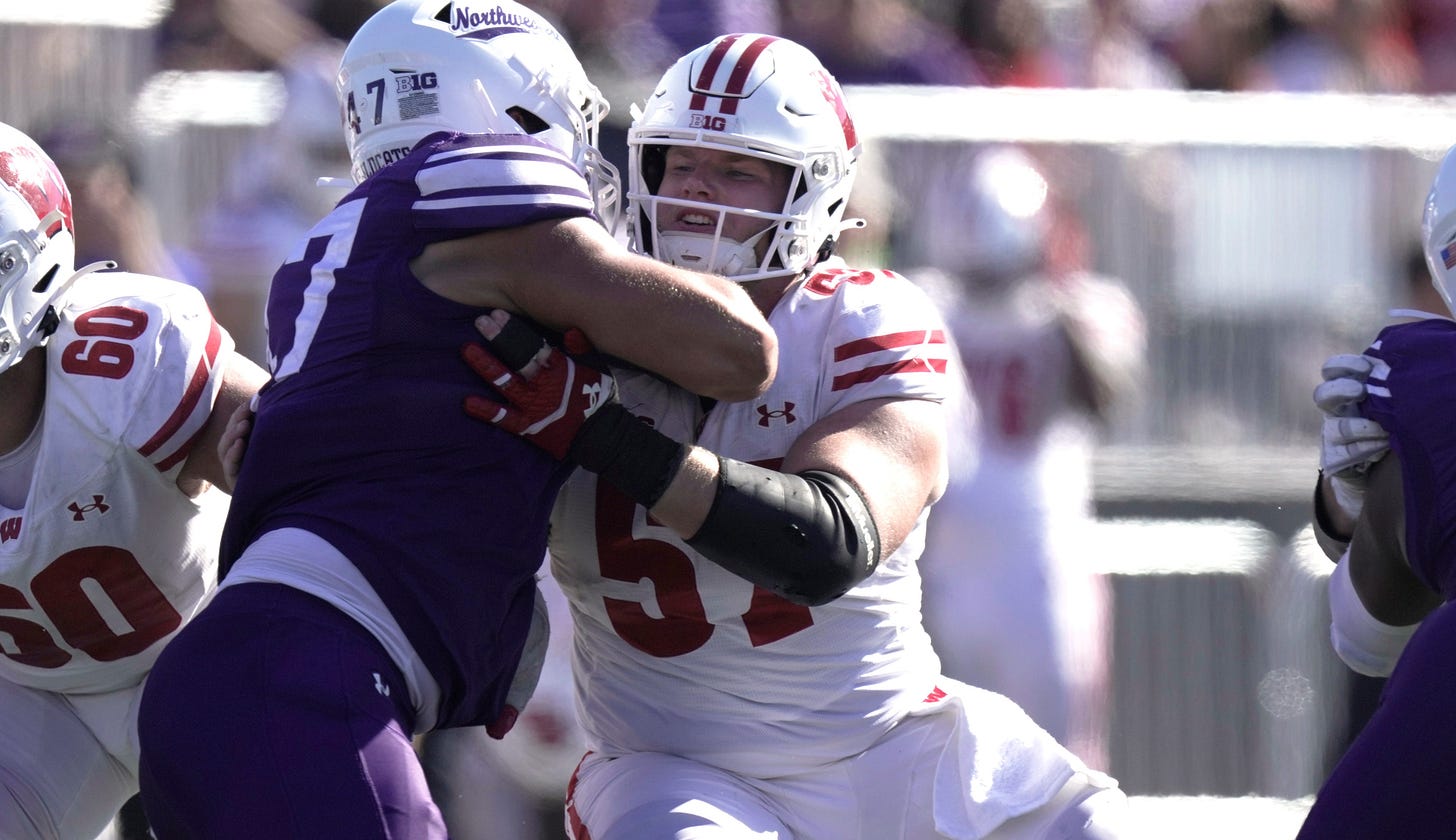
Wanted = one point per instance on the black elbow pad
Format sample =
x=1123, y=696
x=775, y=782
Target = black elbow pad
x=807, y=537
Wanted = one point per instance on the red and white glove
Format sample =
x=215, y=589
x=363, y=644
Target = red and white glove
x=548, y=395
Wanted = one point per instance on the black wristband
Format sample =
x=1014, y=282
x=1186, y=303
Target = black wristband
x=631, y=455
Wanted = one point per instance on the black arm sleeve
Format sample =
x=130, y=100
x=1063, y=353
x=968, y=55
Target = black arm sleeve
x=808, y=537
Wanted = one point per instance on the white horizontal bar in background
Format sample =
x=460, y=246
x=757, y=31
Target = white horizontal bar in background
x=1423, y=124
x=208, y=97
x=123, y=14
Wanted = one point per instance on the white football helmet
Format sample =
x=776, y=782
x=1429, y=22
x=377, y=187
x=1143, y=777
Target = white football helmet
x=417, y=67
x=757, y=95
x=1438, y=229
x=37, y=245
x=988, y=223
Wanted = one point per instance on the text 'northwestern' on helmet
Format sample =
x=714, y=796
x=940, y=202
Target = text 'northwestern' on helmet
x=418, y=67
x=757, y=95
x=37, y=244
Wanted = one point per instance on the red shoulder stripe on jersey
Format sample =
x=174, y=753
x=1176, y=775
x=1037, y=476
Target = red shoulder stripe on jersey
x=190, y=397
x=741, y=71
x=889, y=341
x=710, y=69
x=182, y=452
x=873, y=372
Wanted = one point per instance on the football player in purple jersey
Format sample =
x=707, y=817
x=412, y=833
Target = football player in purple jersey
x=379, y=556
x=1385, y=511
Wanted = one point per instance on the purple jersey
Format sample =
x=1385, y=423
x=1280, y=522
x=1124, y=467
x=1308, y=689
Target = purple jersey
x=1414, y=403
x=361, y=439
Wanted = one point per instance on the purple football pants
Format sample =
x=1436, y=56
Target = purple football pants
x=1395, y=779
x=272, y=714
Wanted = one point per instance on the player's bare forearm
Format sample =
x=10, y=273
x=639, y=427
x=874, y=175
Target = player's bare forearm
x=206, y=465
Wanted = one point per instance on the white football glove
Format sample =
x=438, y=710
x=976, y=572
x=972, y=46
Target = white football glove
x=1349, y=443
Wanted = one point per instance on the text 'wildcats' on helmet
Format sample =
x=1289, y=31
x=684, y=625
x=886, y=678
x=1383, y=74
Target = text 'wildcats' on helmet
x=37, y=245
x=756, y=95
x=1438, y=230
x=418, y=67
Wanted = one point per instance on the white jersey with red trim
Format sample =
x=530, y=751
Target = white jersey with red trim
x=673, y=654
x=107, y=558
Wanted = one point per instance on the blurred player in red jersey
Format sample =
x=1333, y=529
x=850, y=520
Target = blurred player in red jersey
x=1013, y=602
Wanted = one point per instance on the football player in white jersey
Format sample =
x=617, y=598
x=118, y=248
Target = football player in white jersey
x=115, y=387
x=749, y=657
x=1011, y=599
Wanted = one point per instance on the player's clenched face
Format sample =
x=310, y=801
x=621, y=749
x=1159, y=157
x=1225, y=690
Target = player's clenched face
x=720, y=177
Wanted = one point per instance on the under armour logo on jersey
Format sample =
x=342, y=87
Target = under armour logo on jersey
x=595, y=394
x=379, y=685
x=786, y=413
x=10, y=529
x=79, y=511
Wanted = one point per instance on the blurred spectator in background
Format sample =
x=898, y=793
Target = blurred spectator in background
x=1432, y=26
x=1214, y=45
x=1012, y=602
x=1120, y=54
x=273, y=196
x=109, y=202
x=1013, y=44
x=1083, y=43
x=865, y=42
x=1347, y=46
x=252, y=34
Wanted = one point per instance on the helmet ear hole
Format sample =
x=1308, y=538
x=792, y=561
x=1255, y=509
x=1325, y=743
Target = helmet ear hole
x=528, y=121
x=45, y=281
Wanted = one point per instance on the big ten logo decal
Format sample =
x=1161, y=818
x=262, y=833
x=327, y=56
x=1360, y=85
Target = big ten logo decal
x=710, y=122
x=410, y=82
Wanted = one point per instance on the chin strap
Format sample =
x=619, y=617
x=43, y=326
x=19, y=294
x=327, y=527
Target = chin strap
x=708, y=253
